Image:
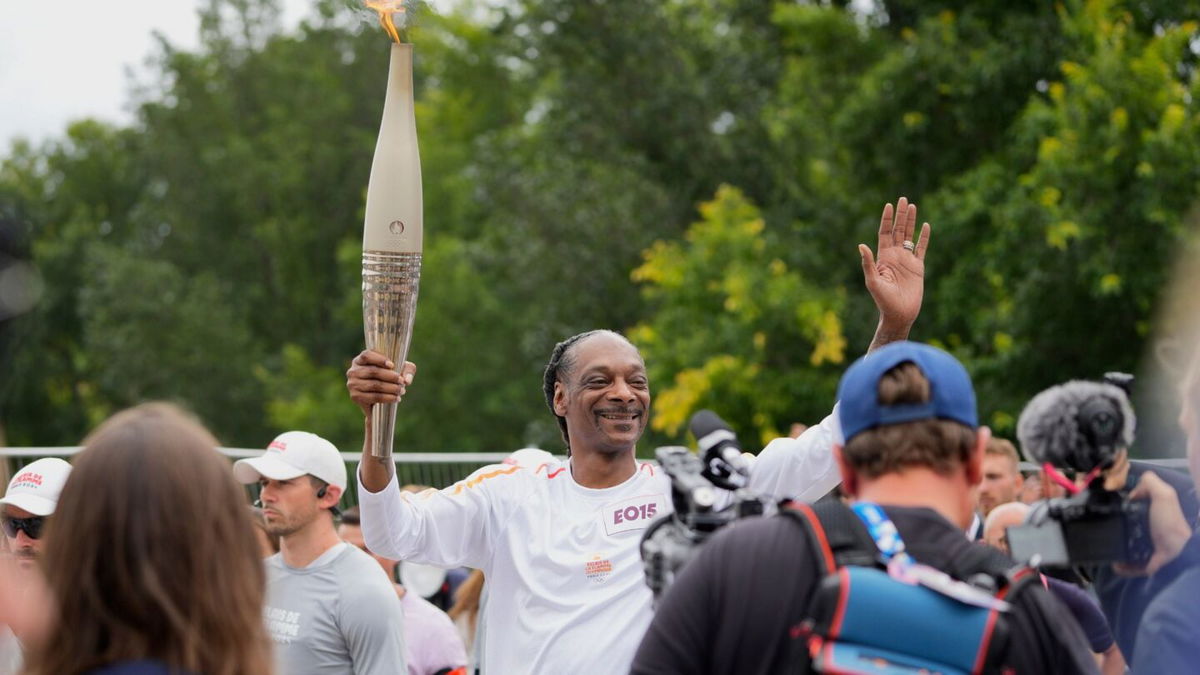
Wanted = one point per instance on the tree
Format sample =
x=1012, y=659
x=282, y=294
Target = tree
x=734, y=329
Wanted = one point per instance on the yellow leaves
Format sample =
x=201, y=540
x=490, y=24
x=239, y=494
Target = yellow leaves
x=830, y=344
x=661, y=266
x=1003, y=342
x=777, y=268
x=1060, y=234
x=1119, y=118
x=1002, y=420
x=908, y=34
x=642, y=335
x=1110, y=284
x=1070, y=69
x=914, y=119
x=1050, y=196
x=1173, y=118
x=1144, y=169
x=676, y=403
x=1048, y=148
x=1057, y=92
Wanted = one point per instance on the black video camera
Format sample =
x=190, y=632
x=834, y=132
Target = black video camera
x=1084, y=427
x=706, y=496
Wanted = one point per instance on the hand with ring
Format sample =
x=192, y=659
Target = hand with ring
x=896, y=280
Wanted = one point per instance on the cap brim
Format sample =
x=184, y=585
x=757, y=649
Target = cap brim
x=38, y=506
x=251, y=470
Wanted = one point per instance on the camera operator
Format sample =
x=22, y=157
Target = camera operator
x=913, y=445
x=1168, y=637
x=1105, y=531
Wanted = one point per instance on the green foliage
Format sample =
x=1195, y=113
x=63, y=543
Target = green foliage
x=735, y=330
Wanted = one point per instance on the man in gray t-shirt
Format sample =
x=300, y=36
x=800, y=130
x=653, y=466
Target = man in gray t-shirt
x=330, y=608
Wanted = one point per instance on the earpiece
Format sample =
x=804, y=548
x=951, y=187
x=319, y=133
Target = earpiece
x=321, y=492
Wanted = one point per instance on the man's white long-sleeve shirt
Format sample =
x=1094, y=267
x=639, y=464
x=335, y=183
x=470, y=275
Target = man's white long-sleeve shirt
x=566, y=590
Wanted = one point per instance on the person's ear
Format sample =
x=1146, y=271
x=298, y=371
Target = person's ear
x=849, y=477
x=333, y=495
x=975, y=459
x=560, y=399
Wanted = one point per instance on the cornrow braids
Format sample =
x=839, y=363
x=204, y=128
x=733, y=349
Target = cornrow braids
x=562, y=360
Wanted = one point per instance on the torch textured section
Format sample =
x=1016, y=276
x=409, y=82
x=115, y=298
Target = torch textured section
x=390, y=284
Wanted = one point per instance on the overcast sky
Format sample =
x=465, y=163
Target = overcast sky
x=65, y=64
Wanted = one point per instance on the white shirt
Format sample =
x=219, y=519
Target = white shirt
x=566, y=589
x=799, y=468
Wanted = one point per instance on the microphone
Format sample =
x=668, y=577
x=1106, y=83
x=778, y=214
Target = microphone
x=258, y=503
x=724, y=465
x=1078, y=425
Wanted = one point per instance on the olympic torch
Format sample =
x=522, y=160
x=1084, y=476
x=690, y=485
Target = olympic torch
x=392, y=229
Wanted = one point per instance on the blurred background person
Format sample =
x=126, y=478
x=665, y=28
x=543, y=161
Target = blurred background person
x=431, y=640
x=1082, y=605
x=152, y=566
x=465, y=613
x=1002, y=480
x=25, y=510
x=28, y=504
x=1031, y=487
x=1168, y=634
x=268, y=542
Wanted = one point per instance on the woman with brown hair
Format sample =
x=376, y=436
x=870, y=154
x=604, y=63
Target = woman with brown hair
x=151, y=560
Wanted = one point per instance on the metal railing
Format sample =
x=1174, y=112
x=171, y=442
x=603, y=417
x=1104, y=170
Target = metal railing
x=433, y=469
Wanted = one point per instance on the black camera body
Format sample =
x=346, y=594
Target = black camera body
x=700, y=509
x=1096, y=526
x=1084, y=427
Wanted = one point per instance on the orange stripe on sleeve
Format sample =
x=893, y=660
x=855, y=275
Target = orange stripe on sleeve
x=482, y=477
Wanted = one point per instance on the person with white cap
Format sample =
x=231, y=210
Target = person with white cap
x=330, y=608
x=27, y=505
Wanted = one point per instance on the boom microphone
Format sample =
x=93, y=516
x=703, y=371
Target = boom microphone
x=1078, y=425
x=723, y=461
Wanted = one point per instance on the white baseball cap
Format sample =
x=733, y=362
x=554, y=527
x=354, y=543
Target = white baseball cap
x=293, y=454
x=37, y=485
x=529, y=458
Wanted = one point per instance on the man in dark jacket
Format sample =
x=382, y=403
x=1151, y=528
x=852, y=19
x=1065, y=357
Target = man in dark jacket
x=1168, y=634
x=912, y=446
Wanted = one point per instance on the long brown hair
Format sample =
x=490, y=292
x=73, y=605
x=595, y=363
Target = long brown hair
x=151, y=555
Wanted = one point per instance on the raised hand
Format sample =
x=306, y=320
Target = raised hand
x=896, y=279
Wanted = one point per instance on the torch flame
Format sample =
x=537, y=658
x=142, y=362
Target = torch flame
x=385, y=9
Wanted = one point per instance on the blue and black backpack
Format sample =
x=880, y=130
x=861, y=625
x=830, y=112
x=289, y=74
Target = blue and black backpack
x=861, y=621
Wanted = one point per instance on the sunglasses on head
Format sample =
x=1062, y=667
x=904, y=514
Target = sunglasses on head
x=30, y=526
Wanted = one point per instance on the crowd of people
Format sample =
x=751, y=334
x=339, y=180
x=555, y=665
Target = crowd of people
x=890, y=545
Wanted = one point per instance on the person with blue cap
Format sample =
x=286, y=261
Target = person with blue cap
x=910, y=450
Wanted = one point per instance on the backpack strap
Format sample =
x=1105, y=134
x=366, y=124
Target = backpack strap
x=839, y=536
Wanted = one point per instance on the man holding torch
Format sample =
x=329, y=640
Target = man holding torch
x=559, y=544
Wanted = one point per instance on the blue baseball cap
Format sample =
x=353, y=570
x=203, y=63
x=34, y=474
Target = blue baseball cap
x=858, y=392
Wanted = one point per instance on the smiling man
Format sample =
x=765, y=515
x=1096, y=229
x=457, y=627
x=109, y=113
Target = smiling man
x=558, y=543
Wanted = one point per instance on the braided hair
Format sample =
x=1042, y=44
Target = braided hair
x=562, y=360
